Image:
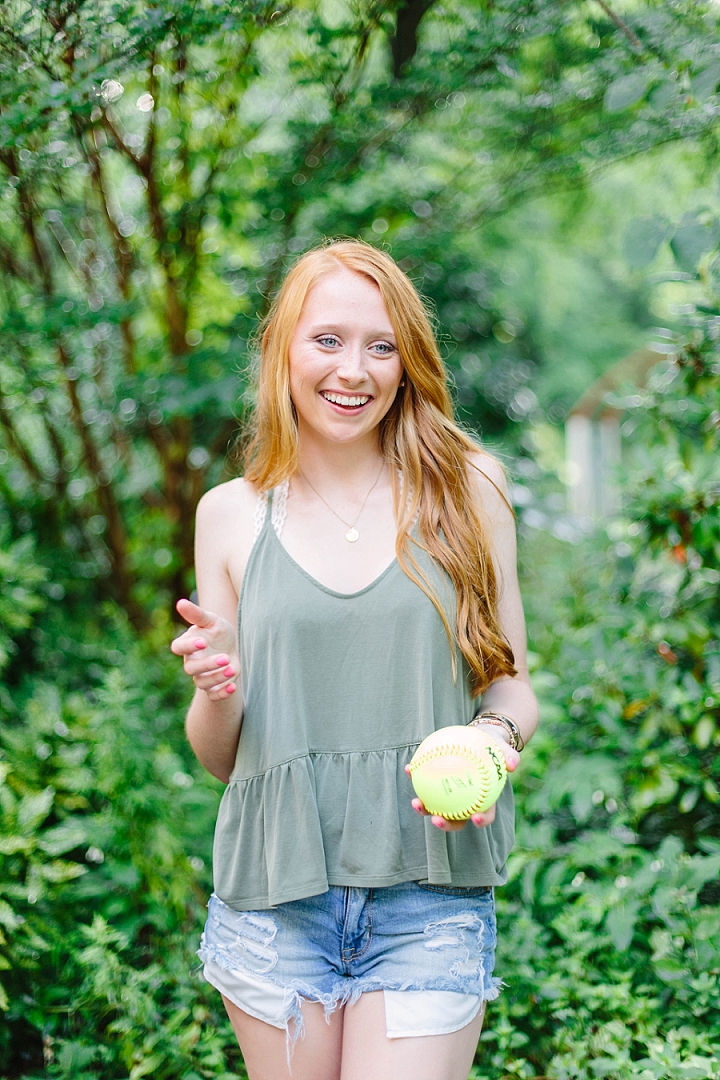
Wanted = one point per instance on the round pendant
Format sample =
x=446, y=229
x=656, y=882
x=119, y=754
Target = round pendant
x=352, y=535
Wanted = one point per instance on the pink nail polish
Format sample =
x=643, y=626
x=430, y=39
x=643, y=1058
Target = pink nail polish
x=228, y=672
x=230, y=689
x=200, y=643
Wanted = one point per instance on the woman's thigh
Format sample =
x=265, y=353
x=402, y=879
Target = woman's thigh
x=367, y=1051
x=315, y=1056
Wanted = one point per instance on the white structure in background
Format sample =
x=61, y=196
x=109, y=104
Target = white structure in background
x=593, y=441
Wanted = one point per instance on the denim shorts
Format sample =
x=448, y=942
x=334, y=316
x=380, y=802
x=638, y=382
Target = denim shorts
x=331, y=948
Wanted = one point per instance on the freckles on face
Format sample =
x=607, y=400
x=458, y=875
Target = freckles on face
x=345, y=366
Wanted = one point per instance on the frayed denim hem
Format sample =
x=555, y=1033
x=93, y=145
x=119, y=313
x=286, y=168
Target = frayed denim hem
x=346, y=993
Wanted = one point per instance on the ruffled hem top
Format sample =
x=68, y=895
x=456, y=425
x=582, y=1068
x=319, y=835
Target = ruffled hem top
x=339, y=690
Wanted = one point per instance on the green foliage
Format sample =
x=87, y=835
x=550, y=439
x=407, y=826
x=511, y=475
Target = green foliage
x=21, y=580
x=613, y=909
x=159, y=167
x=104, y=844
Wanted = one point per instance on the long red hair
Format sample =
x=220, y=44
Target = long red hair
x=419, y=439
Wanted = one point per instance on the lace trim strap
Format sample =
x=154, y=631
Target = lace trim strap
x=259, y=514
x=279, y=506
x=277, y=498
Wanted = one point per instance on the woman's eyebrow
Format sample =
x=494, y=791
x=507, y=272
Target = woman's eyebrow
x=333, y=328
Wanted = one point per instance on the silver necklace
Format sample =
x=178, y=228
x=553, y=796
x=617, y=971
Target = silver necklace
x=352, y=534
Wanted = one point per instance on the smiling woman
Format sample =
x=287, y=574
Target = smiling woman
x=358, y=584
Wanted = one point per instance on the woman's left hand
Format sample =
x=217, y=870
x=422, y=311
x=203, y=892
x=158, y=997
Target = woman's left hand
x=512, y=758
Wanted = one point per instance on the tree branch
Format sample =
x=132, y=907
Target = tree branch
x=404, y=41
x=116, y=538
x=17, y=445
x=123, y=251
x=52, y=434
x=622, y=26
x=175, y=312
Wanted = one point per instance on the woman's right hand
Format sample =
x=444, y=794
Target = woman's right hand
x=209, y=651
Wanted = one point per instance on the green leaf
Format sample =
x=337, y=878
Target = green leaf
x=59, y=870
x=663, y=94
x=711, y=792
x=702, y=868
x=671, y=970
x=705, y=83
x=9, y=845
x=73, y=1056
x=62, y=838
x=688, y=800
x=620, y=923
x=35, y=808
x=143, y=1068
x=692, y=240
x=704, y=732
x=642, y=239
x=8, y=918
x=626, y=91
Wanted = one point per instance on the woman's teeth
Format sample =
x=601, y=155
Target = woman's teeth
x=348, y=402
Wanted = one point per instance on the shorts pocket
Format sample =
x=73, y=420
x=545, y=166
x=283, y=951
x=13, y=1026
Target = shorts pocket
x=456, y=890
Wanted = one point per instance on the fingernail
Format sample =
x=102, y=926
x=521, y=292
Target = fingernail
x=200, y=643
x=228, y=672
x=222, y=659
x=230, y=689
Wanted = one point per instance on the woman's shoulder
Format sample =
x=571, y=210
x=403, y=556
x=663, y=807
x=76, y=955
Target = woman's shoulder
x=488, y=480
x=232, y=503
x=486, y=467
x=232, y=494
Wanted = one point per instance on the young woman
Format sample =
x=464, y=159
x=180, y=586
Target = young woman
x=358, y=590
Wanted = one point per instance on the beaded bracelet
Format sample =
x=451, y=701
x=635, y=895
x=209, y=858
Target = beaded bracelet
x=500, y=720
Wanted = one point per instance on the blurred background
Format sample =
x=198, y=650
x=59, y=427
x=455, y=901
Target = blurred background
x=546, y=173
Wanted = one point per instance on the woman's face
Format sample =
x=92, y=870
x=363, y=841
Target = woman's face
x=344, y=363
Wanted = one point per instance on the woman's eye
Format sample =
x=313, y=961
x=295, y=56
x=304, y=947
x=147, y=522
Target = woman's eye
x=328, y=339
x=384, y=347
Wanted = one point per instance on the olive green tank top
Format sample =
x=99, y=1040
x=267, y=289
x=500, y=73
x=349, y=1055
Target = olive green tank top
x=339, y=689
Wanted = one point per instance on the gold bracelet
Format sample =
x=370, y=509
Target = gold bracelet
x=500, y=720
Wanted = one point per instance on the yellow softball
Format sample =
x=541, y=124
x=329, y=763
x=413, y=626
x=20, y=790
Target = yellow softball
x=453, y=776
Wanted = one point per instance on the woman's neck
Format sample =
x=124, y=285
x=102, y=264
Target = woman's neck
x=339, y=464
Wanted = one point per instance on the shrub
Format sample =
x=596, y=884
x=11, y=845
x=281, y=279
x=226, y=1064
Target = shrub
x=104, y=843
x=611, y=944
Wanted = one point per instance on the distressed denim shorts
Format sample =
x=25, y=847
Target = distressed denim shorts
x=431, y=948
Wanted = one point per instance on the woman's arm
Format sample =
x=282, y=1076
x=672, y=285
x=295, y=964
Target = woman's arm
x=209, y=648
x=514, y=696
x=215, y=714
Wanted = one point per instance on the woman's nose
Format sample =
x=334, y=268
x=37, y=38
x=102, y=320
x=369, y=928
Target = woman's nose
x=351, y=365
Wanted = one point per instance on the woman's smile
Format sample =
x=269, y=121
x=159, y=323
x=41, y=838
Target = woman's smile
x=349, y=403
